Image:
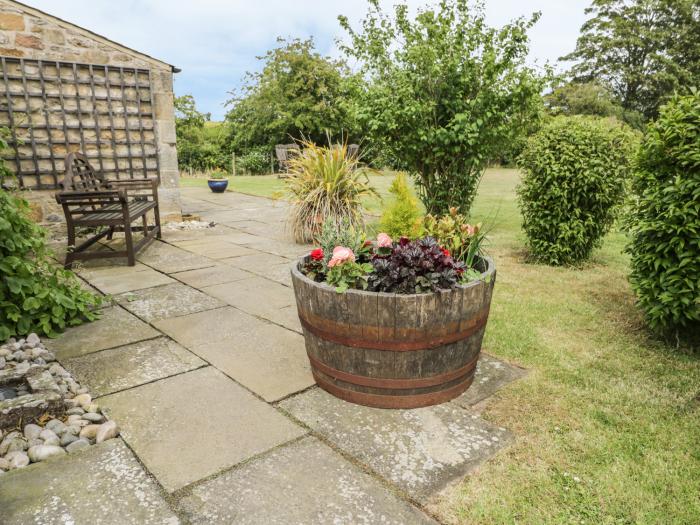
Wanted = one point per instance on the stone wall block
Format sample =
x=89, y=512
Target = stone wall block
x=11, y=21
x=30, y=41
x=164, y=109
x=166, y=131
x=167, y=156
x=9, y=52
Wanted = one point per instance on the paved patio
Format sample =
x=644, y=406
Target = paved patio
x=201, y=361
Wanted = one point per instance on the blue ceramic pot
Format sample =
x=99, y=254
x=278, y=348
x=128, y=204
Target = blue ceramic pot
x=217, y=185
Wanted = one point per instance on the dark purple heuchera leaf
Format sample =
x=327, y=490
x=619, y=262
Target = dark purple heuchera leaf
x=415, y=267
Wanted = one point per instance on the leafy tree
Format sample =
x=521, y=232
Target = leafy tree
x=447, y=93
x=199, y=141
x=298, y=94
x=665, y=220
x=642, y=50
x=589, y=98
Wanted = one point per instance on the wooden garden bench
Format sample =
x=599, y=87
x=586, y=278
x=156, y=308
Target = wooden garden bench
x=91, y=201
x=284, y=153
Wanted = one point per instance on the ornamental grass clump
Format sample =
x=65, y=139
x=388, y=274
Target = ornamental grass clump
x=576, y=170
x=665, y=220
x=325, y=184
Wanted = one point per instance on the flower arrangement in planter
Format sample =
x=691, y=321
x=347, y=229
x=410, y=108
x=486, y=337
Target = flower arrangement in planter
x=395, y=323
x=217, y=182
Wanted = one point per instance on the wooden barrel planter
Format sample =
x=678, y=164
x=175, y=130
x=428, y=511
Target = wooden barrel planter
x=394, y=350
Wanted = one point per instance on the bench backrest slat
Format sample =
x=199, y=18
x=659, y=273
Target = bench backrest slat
x=80, y=175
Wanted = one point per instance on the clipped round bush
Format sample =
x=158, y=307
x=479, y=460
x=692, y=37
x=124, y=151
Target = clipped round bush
x=575, y=173
x=665, y=219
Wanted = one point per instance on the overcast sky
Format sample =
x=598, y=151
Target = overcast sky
x=215, y=42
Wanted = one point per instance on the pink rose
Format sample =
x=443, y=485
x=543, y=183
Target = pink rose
x=384, y=241
x=341, y=254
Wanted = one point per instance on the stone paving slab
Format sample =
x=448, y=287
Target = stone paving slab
x=420, y=450
x=269, y=360
x=171, y=300
x=287, y=317
x=190, y=426
x=216, y=248
x=116, y=327
x=103, y=484
x=117, y=279
x=169, y=259
x=280, y=273
x=287, y=249
x=257, y=296
x=257, y=262
x=491, y=375
x=132, y=365
x=302, y=483
x=211, y=276
x=233, y=236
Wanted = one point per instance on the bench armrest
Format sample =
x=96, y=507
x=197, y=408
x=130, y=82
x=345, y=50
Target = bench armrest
x=150, y=183
x=90, y=197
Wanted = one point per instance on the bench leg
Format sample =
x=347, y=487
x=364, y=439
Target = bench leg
x=71, y=247
x=156, y=212
x=129, y=244
x=111, y=233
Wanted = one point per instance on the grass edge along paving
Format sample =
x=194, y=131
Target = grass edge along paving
x=607, y=421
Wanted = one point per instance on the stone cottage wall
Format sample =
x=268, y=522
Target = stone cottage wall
x=30, y=34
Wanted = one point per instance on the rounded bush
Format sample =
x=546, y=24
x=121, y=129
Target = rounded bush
x=665, y=219
x=575, y=173
x=255, y=161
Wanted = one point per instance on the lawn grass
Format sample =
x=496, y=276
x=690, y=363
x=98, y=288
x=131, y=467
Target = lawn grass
x=271, y=186
x=607, y=420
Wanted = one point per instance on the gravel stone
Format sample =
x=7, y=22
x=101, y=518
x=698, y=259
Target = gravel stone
x=93, y=418
x=44, y=452
x=32, y=431
x=77, y=446
x=17, y=459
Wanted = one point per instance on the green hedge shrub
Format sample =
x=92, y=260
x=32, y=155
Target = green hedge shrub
x=575, y=173
x=35, y=295
x=255, y=161
x=402, y=216
x=665, y=219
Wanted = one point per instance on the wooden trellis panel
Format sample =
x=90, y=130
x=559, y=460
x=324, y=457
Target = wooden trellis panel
x=53, y=108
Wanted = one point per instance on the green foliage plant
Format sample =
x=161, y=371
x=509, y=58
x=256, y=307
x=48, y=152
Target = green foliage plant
x=401, y=217
x=200, y=142
x=325, y=183
x=35, y=295
x=453, y=232
x=297, y=94
x=665, y=219
x=255, y=161
x=342, y=233
x=218, y=175
x=351, y=274
x=576, y=170
x=446, y=93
